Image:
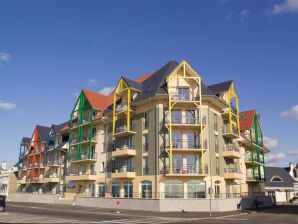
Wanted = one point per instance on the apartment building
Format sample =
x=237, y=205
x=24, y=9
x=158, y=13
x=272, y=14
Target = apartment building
x=87, y=145
x=163, y=135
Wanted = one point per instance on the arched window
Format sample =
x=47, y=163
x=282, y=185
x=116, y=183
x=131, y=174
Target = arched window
x=146, y=189
x=276, y=179
x=116, y=189
x=101, y=190
x=128, y=189
x=196, y=189
x=217, y=189
x=174, y=189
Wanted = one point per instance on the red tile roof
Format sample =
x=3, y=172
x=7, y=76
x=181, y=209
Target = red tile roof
x=97, y=100
x=246, y=123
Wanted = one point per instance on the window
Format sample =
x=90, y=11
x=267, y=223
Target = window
x=184, y=93
x=192, y=164
x=215, y=123
x=115, y=189
x=196, y=189
x=192, y=140
x=146, y=121
x=177, y=164
x=176, y=140
x=91, y=190
x=176, y=117
x=102, y=167
x=174, y=189
x=101, y=190
x=146, y=189
x=93, y=132
x=216, y=147
x=146, y=143
x=217, y=166
x=190, y=117
x=128, y=189
x=217, y=189
x=145, y=165
x=276, y=179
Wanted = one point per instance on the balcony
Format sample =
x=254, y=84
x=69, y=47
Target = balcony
x=80, y=175
x=232, y=173
x=55, y=163
x=226, y=132
x=257, y=178
x=185, y=170
x=124, y=172
x=231, y=151
x=121, y=109
x=184, y=99
x=35, y=179
x=123, y=131
x=51, y=178
x=181, y=145
x=21, y=180
x=248, y=160
x=225, y=112
x=185, y=122
x=124, y=151
x=86, y=139
x=85, y=158
x=85, y=121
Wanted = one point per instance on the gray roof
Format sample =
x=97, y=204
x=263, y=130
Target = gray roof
x=281, y=172
x=26, y=140
x=43, y=132
x=133, y=84
x=220, y=87
x=155, y=84
x=58, y=127
x=206, y=91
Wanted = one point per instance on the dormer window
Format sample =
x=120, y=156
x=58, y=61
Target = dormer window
x=276, y=179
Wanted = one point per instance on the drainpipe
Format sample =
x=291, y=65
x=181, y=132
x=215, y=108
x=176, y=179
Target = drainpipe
x=210, y=172
x=156, y=148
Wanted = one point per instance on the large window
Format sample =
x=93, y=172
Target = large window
x=176, y=140
x=176, y=117
x=196, y=189
x=128, y=189
x=190, y=117
x=193, y=164
x=184, y=93
x=146, y=189
x=174, y=189
x=115, y=189
x=101, y=190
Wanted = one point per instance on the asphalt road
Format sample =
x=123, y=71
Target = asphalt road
x=48, y=213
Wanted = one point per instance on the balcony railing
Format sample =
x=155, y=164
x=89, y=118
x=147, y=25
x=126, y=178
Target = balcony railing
x=183, y=119
x=55, y=162
x=123, y=107
x=123, y=169
x=185, y=169
x=184, y=97
x=123, y=147
x=81, y=173
x=85, y=120
x=186, y=144
x=124, y=128
x=226, y=129
x=232, y=170
x=85, y=138
x=84, y=156
x=230, y=147
x=249, y=159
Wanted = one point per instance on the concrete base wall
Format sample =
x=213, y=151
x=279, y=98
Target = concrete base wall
x=170, y=205
x=33, y=198
x=156, y=205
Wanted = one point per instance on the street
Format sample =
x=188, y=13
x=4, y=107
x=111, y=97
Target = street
x=49, y=213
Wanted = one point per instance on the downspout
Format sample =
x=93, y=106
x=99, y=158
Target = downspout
x=156, y=149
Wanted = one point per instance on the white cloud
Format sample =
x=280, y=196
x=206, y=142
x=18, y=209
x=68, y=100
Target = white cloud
x=288, y=6
x=92, y=82
x=293, y=113
x=293, y=152
x=106, y=90
x=5, y=56
x=271, y=159
x=7, y=105
x=244, y=14
x=270, y=142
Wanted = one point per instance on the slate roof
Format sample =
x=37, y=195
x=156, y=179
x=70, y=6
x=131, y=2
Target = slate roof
x=206, y=91
x=59, y=127
x=133, y=84
x=247, y=121
x=220, y=87
x=26, y=140
x=288, y=181
x=43, y=132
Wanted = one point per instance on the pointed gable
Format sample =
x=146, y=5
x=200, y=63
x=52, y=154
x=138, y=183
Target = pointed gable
x=221, y=87
x=248, y=119
x=97, y=100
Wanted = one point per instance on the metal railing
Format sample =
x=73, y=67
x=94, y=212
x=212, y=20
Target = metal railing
x=84, y=156
x=124, y=128
x=183, y=119
x=123, y=107
x=232, y=170
x=123, y=147
x=186, y=144
x=184, y=169
x=249, y=159
x=81, y=173
x=230, y=147
x=85, y=138
x=184, y=97
x=123, y=169
x=226, y=129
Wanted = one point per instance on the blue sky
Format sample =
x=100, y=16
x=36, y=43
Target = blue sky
x=49, y=50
